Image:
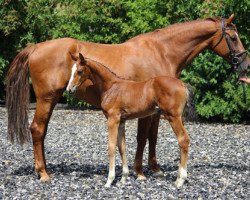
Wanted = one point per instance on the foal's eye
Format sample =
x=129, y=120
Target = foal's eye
x=79, y=72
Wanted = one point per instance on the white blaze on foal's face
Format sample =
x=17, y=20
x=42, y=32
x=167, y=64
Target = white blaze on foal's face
x=73, y=70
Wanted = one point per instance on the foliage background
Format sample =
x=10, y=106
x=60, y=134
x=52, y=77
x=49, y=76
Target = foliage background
x=218, y=95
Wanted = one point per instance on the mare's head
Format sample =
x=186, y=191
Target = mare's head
x=80, y=72
x=227, y=44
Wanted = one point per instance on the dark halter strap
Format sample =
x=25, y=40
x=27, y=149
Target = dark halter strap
x=236, y=57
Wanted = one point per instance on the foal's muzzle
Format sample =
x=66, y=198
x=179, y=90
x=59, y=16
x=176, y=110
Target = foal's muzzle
x=73, y=89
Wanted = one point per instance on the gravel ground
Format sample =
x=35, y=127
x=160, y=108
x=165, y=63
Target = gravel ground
x=76, y=152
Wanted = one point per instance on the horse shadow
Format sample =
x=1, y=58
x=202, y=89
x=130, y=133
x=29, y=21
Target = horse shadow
x=86, y=170
x=91, y=170
x=76, y=169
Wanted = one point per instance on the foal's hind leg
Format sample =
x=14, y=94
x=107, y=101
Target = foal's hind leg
x=122, y=150
x=183, y=140
x=38, y=130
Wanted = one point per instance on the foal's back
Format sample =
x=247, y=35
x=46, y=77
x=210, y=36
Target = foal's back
x=139, y=99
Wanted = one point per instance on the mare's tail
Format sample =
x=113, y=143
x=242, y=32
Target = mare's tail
x=190, y=113
x=18, y=97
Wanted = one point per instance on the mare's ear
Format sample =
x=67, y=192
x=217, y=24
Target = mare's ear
x=230, y=19
x=82, y=58
x=73, y=56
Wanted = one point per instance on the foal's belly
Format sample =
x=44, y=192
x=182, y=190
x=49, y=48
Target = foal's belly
x=141, y=114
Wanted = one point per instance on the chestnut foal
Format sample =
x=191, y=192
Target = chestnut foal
x=125, y=99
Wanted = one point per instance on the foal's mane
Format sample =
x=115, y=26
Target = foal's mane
x=106, y=67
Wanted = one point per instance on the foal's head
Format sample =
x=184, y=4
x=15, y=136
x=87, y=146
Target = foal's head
x=80, y=72
x=227, y=44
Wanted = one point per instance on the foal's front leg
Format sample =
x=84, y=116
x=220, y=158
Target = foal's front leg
x=122, y=150
x=113, y=124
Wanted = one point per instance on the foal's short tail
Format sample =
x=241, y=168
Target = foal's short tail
x=190, y=112
x=18, y=97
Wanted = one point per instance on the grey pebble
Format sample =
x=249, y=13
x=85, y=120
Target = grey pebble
x=77, y=159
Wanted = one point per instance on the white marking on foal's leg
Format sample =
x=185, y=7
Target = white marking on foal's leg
x=122, y=150
x=125, y=172
x=73, y=70
x=111, y=177
x=182, y=176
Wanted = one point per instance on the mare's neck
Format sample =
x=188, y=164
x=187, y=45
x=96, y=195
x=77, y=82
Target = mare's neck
x=183, y=42
x=101, y=76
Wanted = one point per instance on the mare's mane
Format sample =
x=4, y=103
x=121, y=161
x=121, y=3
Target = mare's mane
x=176, y=26
x=214, y=19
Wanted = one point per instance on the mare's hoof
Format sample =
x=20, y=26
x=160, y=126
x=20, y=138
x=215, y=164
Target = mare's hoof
x=158, y=174
x=141, y=178
x=45, y=179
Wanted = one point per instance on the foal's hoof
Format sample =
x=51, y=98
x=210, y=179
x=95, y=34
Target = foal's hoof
x=179, y=183
x=158, y=174
x=45, y=179
x=123, y=180
x=141, y=178
x=107, y=185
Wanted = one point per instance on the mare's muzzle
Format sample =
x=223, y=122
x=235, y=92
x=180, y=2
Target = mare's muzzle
x=241, y=65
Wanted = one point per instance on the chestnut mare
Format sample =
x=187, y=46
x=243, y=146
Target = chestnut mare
x=119, y=102
x=162, y=52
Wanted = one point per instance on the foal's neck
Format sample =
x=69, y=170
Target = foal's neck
x=102, y=76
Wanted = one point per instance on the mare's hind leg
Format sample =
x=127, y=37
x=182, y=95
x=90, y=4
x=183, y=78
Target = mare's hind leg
x=183, y=140
x=147, y=129
x=122, y=150
x=142, y=135
x=152, y=139
x=38, y=130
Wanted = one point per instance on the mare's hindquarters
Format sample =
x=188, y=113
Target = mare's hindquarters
x=50, y=68
x=48, y=65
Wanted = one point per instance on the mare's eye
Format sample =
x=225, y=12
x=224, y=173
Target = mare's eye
x=234, y=38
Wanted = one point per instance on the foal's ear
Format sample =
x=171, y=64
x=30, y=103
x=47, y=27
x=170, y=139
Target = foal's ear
x=230, y=19
x=73, y=56
x=82, y=59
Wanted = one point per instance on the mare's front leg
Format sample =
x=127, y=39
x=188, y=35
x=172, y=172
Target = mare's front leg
x=122, y=150
x=183, y=140
x=113, y=124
